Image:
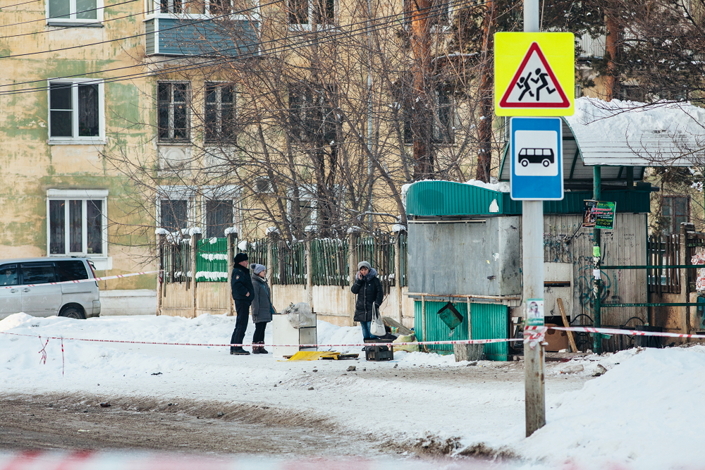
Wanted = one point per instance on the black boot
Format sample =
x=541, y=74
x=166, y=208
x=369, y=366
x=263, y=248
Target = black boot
x=238, y=351
x=259, y=349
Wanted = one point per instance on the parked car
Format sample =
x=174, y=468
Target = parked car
x=37, y=286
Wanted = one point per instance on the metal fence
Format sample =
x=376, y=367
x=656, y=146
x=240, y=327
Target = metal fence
x=664, y=251
x=378, y=250
x=286, y=261
x=329, y=262
x=176, y=261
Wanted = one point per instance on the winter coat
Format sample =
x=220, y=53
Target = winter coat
x=261, y=307
x=241, y=285
x=369, y=291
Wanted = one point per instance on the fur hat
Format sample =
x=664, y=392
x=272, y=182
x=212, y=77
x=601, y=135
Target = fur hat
x=240, y=257
x=363, y=264
x=258, y=268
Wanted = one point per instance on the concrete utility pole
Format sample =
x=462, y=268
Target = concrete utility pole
x=532, y=246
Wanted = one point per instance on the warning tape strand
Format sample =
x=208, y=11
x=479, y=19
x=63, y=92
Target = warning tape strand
x=616, y=331
x=406, y=343
x=533, y=335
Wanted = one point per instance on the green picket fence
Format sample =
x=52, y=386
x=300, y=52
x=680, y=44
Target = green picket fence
x=329, y=262
x=212, y=260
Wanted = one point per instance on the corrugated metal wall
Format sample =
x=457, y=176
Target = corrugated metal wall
x=489, y=321
x=478, y=258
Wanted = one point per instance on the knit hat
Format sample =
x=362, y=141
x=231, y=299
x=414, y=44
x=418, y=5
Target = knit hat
x=363, y=264
x=258, y=268
x=240, y=257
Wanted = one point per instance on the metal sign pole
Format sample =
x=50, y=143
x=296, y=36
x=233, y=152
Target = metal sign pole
x=533, y=280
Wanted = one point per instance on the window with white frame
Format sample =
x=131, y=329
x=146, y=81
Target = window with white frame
x=77, y=222
x=675, y=210
x=74, y=12
x=218, y=206
x=220, y=214
x=173, y=112
x=76, y=111
x=173, y=214
x=198, y=7
x=307, y=13
x=219, y=112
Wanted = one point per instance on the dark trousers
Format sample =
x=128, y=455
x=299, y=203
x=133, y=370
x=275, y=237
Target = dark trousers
x=243, y=313
x=258, y=337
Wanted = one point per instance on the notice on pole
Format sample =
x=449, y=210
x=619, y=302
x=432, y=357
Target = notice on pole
x=599, y=214
x=534, y=312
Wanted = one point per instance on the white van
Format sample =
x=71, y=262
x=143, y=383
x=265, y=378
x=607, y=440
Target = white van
x=44, y=287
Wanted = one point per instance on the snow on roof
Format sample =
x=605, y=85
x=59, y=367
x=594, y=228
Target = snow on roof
x=628, y=133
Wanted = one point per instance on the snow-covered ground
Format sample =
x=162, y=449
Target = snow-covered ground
x=638, y=409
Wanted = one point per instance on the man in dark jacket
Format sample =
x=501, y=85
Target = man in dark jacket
x=369, y=292
x=243, y=293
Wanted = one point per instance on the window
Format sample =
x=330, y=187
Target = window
x=171, y=6
x=219, y=216
x=173, y=214
x=73, y=270
x=674, y=210
x=220, y=112
x=74, y=12
x=173, y=100
x=8, y=275
x=207, y=7
x=75, y=111
x=77, y=222
x=38, y=273
x=443, y=118
x=218, y=7
x=312, y=115
x=311, y=12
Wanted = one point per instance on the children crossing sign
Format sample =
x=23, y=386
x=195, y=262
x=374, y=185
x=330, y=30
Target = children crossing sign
x=534, y=74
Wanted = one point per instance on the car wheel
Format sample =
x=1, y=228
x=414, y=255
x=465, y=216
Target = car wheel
x=72, y=312
x=546, y=162
x=525, y=162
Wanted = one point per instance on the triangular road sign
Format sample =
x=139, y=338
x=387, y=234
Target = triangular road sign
x=534, y=84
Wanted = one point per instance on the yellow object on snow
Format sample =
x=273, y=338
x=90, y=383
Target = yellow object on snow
x=406, y=339
x=314, y=355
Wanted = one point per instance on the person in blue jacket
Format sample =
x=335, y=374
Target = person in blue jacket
x=243, y=293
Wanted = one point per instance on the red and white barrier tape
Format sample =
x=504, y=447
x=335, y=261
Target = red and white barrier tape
x=78, y=281
x=533, y=335
x=316, y=345
x=619, y=331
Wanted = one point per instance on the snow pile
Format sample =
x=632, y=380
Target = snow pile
x=642, y=413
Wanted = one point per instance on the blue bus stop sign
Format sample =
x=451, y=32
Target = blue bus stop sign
x=536, y=150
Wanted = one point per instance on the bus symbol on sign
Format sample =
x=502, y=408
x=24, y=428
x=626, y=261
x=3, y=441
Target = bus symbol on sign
x=536, y=155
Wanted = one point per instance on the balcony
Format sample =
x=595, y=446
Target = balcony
x=199, y=35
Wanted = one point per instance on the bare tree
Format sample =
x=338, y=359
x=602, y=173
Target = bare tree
x=317, y=128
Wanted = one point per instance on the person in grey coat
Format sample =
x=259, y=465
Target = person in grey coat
x=261, y=307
